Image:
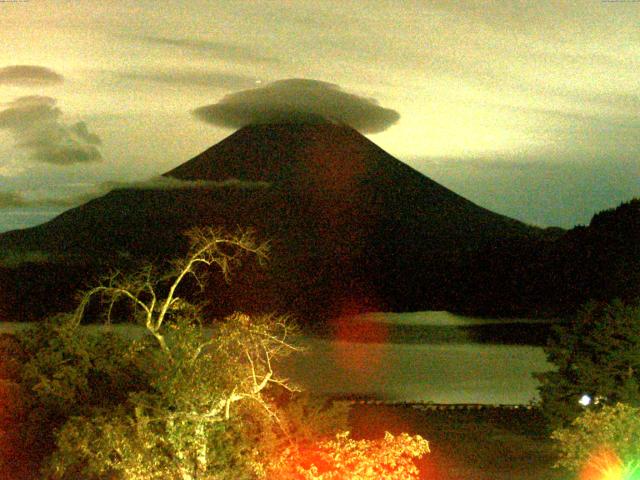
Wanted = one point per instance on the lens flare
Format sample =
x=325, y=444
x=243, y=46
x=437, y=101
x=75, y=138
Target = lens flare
x=389, y=458
x=605, y=464
x=347, y=329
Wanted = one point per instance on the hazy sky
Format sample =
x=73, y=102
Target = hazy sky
x=529, y=108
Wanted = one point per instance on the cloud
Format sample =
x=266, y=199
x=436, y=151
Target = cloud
x=212, y=79
x=298, y=101
x=20, y=200
x=170, y=183
x=221, y=50
x=38, y=129
x=29, y=75
x=602, y=125
x=612, y=103
x=11, y=200
x=550, y=18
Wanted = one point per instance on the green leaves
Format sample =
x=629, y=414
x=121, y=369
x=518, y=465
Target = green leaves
x=606, y=439
x=184, y=423
x=597, y=354
x=71, y=369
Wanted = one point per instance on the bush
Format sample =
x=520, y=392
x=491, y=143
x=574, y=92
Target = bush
x=389, y=458
x=602, y=444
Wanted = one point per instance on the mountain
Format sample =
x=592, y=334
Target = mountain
x=601, y=261
x=555, y=276
x=351, y=227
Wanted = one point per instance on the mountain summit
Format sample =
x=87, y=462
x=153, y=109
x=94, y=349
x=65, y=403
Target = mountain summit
x=335, y=164
x=348, y=218
x=351, y=227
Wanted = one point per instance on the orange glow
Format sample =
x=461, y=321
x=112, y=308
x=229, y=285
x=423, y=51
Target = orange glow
x=603, y=464
x=336, y=167
x=348, y=328
x=388, y=458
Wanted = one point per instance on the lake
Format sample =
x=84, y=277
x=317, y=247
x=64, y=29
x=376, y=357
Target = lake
x=421, y=356
x=427, y=357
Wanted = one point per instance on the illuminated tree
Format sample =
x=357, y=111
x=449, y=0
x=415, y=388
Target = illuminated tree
x=190, y=422
x=199, y=387
x=341, y=458
x=602, y=444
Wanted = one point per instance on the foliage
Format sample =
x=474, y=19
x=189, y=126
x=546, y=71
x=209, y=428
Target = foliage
x=598, y=354
x=606, y=442
x=53, y=371
x=184, y=401
x=389, y=458
x=12, y=357
x=196, y=389
x=186, y=424
x=71, y=370
x=307, y=419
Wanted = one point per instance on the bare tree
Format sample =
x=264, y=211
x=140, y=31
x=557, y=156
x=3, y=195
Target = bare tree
x=196, y=375
x=208, y=247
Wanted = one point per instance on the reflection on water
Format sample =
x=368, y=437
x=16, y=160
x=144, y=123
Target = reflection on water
x=490, y=333
x=440, y=327
x=441, y=319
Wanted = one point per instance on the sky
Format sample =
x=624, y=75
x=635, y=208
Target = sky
x=528, y=108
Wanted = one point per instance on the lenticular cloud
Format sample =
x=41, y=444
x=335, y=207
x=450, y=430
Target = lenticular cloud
x=29, y=75
x=298, y=101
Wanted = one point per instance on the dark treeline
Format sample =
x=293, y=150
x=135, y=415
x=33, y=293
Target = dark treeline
x=543, y=276
x=553, y=278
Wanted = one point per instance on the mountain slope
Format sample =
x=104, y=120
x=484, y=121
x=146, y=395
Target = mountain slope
x=334, y=163
x=351, y=227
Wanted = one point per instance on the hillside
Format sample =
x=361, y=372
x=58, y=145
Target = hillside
x=351, y=229
x=554, y=277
